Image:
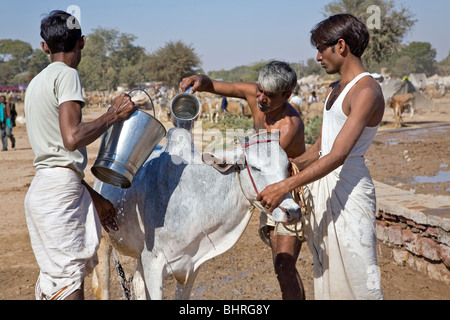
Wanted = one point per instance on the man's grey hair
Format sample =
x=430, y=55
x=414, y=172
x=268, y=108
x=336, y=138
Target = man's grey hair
x=277, y=76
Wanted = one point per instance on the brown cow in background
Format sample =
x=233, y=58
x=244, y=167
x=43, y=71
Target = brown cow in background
x=399, y=103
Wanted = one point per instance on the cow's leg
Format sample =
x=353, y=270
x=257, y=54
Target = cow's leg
x=101, y=274
x=397, y=115
x=138, y=282
x=183, y=291
x=400, y=118
x=154, y=270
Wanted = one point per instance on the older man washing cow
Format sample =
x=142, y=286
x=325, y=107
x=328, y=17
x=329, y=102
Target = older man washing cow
x=268, y=101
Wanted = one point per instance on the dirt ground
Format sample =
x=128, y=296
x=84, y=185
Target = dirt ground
x=399, y=157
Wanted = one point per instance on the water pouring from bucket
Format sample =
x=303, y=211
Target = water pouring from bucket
x=184, y=110
x=126, y=145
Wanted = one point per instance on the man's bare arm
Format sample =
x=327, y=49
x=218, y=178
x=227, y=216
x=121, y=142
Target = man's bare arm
x=364, y=105
x=76, y=133
x=202, y=83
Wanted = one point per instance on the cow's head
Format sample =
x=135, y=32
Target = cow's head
x=260, y=162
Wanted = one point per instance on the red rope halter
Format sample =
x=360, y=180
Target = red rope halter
x=248, y=168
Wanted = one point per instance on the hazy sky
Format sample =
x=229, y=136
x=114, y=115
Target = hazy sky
x=224, y=33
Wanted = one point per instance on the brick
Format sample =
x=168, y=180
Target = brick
x=431, y=232
x=395, y=235
x=402, y=219
x=412, y=224
x=438, y=272
x=429, y=249
x=444, y=252
x=400, y=256
x=381, y=231
x=409, y=240
x=389, y=217
x=421, y=265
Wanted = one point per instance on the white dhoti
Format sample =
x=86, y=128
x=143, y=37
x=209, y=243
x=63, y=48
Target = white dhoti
x=340, y=232
x=64, y=231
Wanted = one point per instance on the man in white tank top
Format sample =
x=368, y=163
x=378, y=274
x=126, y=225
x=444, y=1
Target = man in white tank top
x=341, y=223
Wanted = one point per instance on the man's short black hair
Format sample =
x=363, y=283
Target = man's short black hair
x=60, y=32
x=341, y=26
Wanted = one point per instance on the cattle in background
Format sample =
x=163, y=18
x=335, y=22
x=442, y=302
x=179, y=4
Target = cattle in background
x=399, y=103
x=99, y=99
x=211, y=108
x=181, y=212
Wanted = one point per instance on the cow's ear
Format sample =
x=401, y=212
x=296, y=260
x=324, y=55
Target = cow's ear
x=223, y=168
x=217, y=157
x=216, y=162
x=223, y=161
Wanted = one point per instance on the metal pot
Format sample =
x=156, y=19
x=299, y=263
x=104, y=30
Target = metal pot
x=125, y=147
x=184, y=109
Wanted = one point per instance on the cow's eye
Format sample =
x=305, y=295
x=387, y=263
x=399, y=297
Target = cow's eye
x=256, y=168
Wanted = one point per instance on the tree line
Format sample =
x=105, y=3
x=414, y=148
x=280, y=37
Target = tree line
x=385, y=51
x=112, y=58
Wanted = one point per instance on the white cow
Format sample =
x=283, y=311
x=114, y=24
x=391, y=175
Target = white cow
x=181, y=212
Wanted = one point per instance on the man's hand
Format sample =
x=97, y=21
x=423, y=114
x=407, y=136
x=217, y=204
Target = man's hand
x=272, y=195
x=123, y=107
x=197, y=82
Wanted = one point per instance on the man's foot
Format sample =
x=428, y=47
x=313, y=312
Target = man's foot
x=13, y=143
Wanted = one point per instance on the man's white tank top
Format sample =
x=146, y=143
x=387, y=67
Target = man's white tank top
x=335, y=118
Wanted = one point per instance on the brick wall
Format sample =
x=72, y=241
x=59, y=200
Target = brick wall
x=424, y=247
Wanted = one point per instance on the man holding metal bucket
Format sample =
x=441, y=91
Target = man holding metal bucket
x=63, y=212
x=268, y=101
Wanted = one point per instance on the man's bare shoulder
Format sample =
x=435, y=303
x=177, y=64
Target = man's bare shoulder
x=290, y=111
x=367, y=97
x=293, y=118
x=369, y=87
x=292, y=136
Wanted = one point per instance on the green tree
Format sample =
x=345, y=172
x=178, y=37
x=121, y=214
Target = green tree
x=6, y=73
x=401, y=66
x=247, y=73
x=446, y=61
x=94, y=63
x=311, y=67
x=14, y=57
x=444, y=66
x=417, y=57
x=172, y=63
x=386, y=38
x=126, y=63
x=38, y=62
x=110, y=58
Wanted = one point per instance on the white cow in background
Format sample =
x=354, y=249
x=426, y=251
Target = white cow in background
x=181, y=212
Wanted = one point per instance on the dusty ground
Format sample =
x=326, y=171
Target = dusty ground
x=245, y=272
